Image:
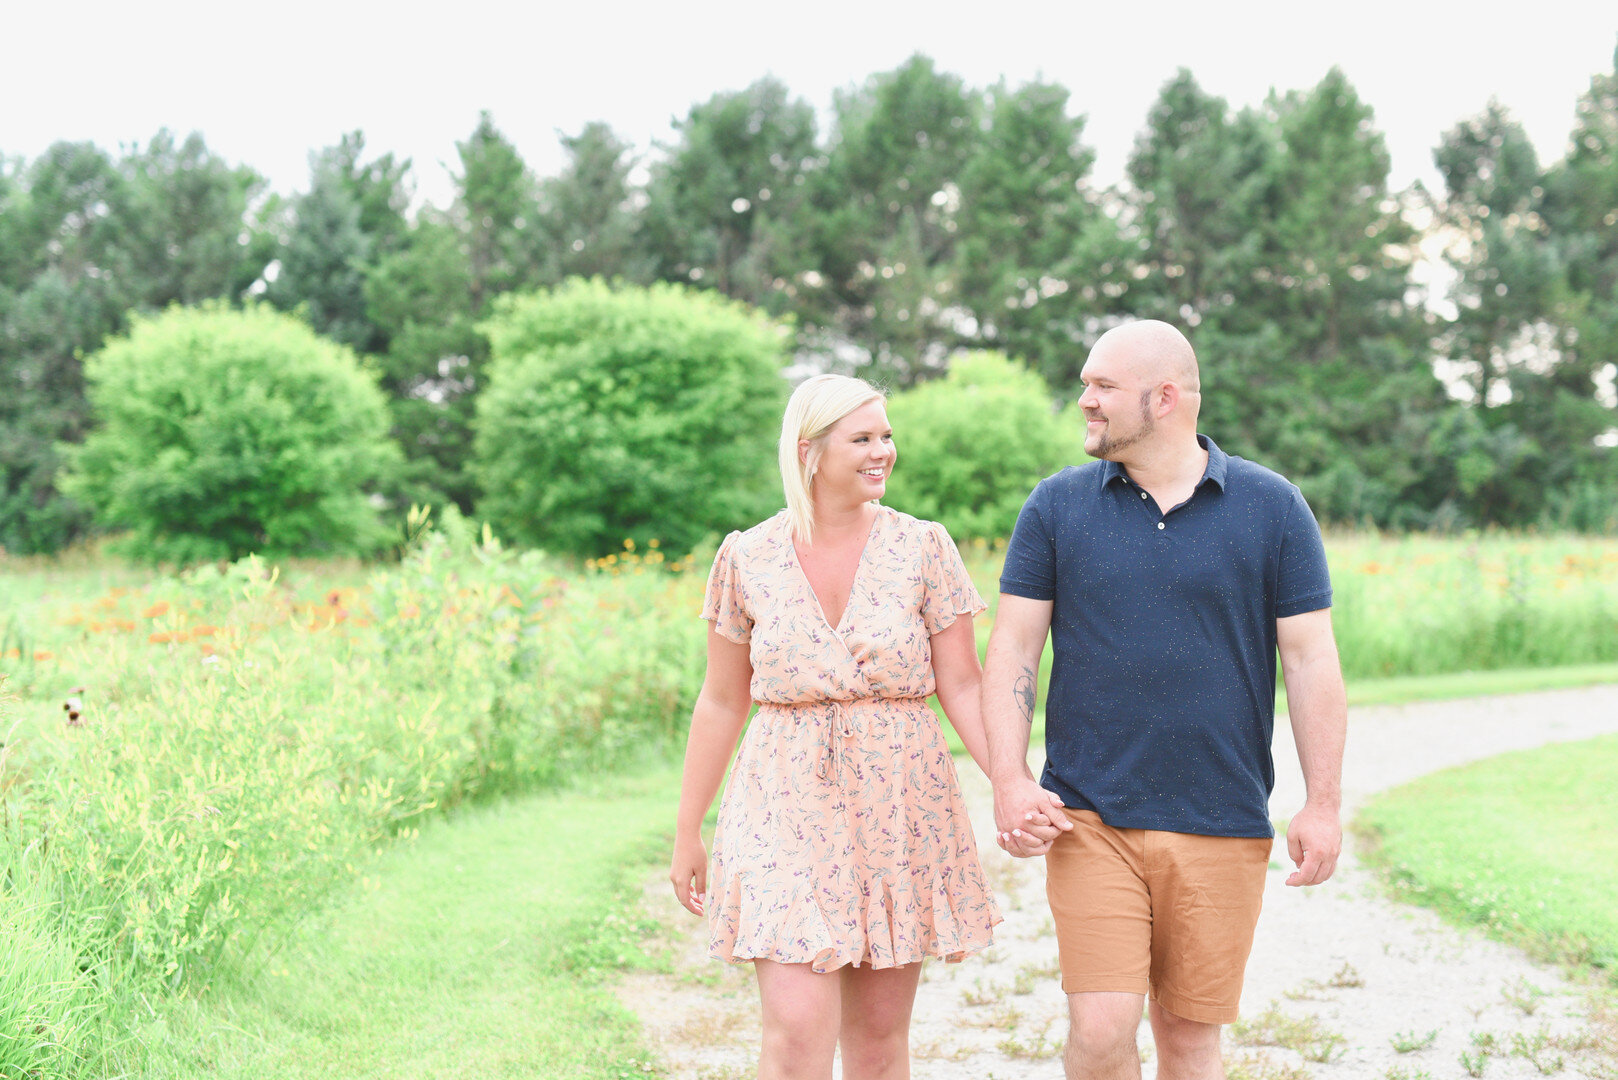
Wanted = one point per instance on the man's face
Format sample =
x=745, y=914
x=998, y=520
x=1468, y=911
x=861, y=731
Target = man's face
x=1117, y=411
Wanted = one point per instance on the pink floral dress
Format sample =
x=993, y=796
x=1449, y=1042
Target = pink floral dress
x=842, y=835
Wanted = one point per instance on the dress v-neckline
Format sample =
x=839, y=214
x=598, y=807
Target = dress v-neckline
x=853, y=586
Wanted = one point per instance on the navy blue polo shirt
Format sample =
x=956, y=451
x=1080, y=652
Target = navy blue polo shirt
x=1162, y=694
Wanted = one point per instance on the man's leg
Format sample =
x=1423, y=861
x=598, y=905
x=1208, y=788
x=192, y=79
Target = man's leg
x=1206, y=895
x=1186, y=1049
x=1101, y=1042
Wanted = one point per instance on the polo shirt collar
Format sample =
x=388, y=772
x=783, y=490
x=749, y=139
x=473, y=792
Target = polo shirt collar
x=1218, y=463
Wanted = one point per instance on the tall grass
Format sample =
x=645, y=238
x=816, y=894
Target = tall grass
x=1427, y=606
x=243, y=741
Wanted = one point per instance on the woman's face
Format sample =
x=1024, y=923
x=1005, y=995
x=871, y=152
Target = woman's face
x=857, y=457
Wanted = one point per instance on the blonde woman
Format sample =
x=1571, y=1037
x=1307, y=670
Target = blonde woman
x=843, y=855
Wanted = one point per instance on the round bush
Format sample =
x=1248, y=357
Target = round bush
x=220, y=433
x=627, y=413
x=973, y=444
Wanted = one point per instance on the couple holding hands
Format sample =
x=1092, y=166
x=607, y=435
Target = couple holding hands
x=1167, y=574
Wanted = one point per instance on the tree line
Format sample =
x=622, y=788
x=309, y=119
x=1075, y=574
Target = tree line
x=930, y=217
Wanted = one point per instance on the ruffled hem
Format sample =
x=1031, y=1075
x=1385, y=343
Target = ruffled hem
x=953, y=928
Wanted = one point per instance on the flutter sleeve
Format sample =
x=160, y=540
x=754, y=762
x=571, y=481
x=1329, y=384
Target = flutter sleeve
x=725, y=604
x=947, y=589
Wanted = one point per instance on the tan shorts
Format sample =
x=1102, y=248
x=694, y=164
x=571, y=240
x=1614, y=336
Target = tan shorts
x=1171, y=914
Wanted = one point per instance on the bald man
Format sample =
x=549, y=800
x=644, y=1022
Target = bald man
x=1167, y=575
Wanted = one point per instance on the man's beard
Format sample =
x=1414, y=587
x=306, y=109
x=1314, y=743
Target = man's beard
x=1107, y=447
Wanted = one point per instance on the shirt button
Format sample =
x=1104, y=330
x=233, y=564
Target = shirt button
x=1160, y=525
x=1143, y=494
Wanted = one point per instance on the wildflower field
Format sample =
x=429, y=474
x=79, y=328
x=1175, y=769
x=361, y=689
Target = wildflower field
x=192, y=762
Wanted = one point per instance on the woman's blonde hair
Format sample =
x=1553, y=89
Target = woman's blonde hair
x=814, y=409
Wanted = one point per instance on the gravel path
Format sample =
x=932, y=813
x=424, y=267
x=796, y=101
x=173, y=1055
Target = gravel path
x=1342, y=956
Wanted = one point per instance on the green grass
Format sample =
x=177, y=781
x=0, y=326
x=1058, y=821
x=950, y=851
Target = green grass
x=1399, y=690
x=488, y=947
x=1522, y=844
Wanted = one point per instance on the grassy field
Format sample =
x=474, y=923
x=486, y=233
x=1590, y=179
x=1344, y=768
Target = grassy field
x=486, y=947
x=248, y=739
x=1522, y=844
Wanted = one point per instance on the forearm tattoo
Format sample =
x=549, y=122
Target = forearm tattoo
x=1025, y=687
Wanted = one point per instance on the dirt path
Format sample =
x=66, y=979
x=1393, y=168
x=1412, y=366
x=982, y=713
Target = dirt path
x=1341, y=957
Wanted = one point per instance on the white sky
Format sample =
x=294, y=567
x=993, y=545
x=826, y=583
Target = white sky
x=266, y=84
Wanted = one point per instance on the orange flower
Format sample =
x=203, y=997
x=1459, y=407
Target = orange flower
x=43, y=654
x=125, y=625
x=161, y=638
x=156, y=610
x=409, y=611
x=204, y=630
x=13, y=654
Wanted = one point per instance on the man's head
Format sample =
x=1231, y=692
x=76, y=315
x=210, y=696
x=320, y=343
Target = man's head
x=1141, y=387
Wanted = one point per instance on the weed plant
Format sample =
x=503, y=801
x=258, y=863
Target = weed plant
x=1305, y=1035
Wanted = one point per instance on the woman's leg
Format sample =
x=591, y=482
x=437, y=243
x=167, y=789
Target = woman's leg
x=876, y=1021
x=801, y=1014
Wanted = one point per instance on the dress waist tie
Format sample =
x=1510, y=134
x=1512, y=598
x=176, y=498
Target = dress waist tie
x=840, y=725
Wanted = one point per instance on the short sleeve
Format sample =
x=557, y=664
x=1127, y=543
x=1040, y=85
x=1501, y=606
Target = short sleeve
x=1304, y=583
x=1030, y=567
x=725, y=604
x=947, y=589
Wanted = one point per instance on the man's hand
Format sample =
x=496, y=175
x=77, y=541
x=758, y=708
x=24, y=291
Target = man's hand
x=1027, y=817
x=1314, y=840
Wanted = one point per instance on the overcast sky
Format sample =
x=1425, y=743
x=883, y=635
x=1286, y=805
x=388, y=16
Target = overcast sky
x=266, y=84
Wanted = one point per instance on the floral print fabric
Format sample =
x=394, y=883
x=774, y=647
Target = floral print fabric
x=842, y=835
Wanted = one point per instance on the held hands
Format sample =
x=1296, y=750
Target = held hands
x=1028, y=818
x=1314, y=840
x=689, y=873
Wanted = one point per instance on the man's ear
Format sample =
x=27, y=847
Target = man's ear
x=1168, y=399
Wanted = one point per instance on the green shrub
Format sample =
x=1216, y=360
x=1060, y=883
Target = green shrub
x=628, y=413
x=224, y=432
x=973, y=444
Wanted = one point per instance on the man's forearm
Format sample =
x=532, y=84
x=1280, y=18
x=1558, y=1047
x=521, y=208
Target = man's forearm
x=1319, y=712
x=1010, y=692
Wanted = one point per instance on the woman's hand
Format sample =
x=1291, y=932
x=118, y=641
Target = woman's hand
x=689, y=873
